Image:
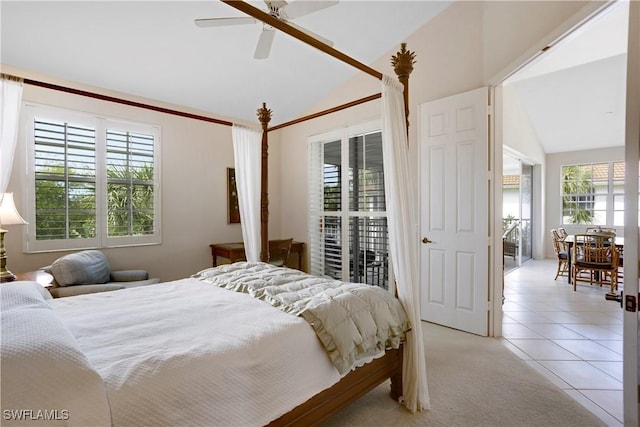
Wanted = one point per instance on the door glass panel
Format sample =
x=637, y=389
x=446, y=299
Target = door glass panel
x=368, y=251
x=526, y=212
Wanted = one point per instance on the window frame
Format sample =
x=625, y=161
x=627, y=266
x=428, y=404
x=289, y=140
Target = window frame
x=591, y=198
x=101, y=123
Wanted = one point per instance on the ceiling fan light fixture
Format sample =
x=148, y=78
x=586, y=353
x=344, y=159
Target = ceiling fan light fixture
x=278, y=9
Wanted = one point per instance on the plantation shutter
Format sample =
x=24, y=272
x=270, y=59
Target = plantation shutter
x=65, y=180
x=93, y=182
x=325, y=201
x=130, y=183
x=348, y=236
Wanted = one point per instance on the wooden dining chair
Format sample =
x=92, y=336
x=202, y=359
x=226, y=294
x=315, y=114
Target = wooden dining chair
x=279, y=251
x=601, y=230
x=596, y=254
x=562, y=232
x=560, y=249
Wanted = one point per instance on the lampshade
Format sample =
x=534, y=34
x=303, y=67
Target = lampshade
x=8, y=213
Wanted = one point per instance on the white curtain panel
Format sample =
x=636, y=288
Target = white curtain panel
x=10, y=99
x=247, y=145
x=403, y=239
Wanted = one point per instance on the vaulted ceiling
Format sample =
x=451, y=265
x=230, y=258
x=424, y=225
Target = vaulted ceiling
x=573, y=95
x=153, y=49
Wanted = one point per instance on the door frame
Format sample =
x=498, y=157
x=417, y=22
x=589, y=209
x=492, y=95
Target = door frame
x=631, y=398
x=496, y=142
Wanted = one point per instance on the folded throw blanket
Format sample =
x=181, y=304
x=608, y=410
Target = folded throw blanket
x=353, y=321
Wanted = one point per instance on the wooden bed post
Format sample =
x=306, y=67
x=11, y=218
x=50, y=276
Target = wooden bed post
x=264, y=115
x=402, y=63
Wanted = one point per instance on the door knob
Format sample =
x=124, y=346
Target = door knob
x=426, y=240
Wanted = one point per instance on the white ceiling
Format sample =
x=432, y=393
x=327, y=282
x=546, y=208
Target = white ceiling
x=573, y=94
x=153, y=49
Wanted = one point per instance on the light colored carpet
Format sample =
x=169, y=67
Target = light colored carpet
x=473, y=381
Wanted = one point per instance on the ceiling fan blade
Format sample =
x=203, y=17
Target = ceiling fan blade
x=264, y=43
x=301, y=8
x=311, y=33
x=220, y=22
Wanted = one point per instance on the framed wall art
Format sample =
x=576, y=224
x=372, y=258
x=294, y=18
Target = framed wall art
x=232, y=197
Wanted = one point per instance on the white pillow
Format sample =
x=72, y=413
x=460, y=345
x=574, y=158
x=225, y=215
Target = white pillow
x=44, y=371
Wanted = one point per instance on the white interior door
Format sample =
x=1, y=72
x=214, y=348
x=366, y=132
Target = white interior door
x=454, y=211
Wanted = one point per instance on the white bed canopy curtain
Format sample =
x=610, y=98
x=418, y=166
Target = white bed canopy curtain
x=403, y=238
x=10, y=98
x=247, y=157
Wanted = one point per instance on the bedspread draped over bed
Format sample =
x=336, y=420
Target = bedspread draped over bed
x=188, y=353
x=353, y=321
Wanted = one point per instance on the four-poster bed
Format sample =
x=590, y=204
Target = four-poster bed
x=390, y=365
x=370, y=375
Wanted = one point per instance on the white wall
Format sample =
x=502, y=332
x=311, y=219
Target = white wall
x=195, y=155
x=554, y=185
x=519, y=134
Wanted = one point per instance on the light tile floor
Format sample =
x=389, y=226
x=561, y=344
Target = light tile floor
x=572, y=338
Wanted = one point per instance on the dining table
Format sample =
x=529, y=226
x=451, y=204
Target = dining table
x=619, y=242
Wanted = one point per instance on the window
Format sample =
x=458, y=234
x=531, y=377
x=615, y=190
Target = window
x=348, y=236
x=593, y=194
x=93, y=181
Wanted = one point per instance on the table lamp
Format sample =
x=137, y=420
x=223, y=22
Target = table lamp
x=8, y=216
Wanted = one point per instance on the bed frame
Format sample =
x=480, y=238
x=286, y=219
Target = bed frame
x=365, y=378
x=350, y=388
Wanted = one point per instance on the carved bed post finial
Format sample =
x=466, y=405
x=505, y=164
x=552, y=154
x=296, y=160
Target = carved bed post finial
x=264, y=115
x=402, y=63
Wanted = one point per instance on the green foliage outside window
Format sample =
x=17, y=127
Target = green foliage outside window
x=130, y=201
x=577, y=194
x=63, y=213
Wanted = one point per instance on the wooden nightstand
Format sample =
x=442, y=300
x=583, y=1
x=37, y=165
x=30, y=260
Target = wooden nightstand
x=235, y=252
x=40, y=276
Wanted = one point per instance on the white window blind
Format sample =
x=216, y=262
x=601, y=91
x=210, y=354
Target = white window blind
x=348, y=237
x=94, y=181
x=65, y=180
x=130, y=185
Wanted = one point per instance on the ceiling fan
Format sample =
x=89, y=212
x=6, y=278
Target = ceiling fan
x=280, y=10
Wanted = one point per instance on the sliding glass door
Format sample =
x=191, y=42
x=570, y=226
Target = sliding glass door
x=517, y=211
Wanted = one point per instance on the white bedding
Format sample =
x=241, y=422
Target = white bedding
x=46, y=379
x=188, y=353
